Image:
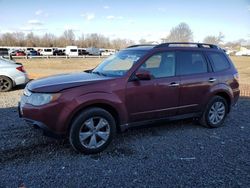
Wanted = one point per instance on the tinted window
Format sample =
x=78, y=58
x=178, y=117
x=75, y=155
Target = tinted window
x=191, y=63
x=219, y=61
x=47, y=50
x=160, y=65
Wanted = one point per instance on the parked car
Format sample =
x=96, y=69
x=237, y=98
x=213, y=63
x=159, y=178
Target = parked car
x=11, y=75
x=46, y=51
x=71, y=51
x=4, y=52
x=93, y=51
x=32, y=53
x=107, y=52
x=138, y=85
x=58, y=52
x=19, y=53
x=82, y=52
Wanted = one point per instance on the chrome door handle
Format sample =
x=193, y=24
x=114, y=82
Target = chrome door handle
x=212, y=80
x=174, y=84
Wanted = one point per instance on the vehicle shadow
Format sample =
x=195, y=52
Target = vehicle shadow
x=19, y=141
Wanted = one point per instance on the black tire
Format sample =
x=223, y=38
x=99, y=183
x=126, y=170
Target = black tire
x=79, y=124
x=205, y=120
x=6, y=84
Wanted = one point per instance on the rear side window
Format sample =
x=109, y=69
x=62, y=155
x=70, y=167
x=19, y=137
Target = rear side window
x=219, y=61
x=191, y=62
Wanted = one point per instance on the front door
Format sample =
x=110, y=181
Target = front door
x=158, y=97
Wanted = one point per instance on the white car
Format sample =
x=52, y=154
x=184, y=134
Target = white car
x=11, y=75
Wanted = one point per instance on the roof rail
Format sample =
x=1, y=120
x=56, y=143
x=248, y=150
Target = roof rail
x=138, y=45
x=199, y=45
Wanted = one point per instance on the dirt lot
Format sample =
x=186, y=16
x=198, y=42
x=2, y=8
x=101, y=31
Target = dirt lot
x=177, y=154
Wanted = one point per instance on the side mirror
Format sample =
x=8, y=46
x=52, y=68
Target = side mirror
x=143, y=75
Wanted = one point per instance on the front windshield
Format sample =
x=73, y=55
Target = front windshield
x=118, y=64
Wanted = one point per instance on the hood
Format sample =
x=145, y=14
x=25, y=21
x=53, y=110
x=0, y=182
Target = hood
x=60, y=82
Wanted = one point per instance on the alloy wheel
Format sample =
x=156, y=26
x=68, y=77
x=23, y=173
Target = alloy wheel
x=217, y=112
x=94, y=132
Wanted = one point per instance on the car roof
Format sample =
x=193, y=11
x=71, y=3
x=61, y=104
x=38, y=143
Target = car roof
x=177, y=45
x=140, y=47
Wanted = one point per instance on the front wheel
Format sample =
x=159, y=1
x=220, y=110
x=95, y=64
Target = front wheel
x=92, y=131
x=215, y=112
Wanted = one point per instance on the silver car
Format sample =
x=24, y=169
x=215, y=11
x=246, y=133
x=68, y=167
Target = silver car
x=11, y=74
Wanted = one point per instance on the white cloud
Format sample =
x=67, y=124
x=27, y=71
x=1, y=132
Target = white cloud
x=35, y=22
x=32, y=28
x=41, y=13
x=38, y=12
x=88, y=16
x=106, y=7
x=111, y=17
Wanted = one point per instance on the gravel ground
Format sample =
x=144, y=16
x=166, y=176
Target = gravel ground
x=179, y=154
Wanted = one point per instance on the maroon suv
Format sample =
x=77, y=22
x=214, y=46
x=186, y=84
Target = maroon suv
x=138, y=85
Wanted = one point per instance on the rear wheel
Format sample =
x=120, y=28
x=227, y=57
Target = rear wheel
x=215, y=112
x=92, y=131
x=5, y=84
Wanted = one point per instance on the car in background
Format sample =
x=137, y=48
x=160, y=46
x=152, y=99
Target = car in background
x=107, y=52
x=20, y=53
x=46, y=51
x=33, y=53
x=82, y=51
x=93, y=51
x=11, y=74
x=58, y=52
x=71, y=51
x=4, y=52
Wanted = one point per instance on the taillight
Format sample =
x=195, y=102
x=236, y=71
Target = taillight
x=21, y=69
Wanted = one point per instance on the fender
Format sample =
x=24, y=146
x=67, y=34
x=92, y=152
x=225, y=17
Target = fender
x=98, y=98
x=221, y=88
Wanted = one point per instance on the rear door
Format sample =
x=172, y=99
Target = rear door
x=196, y=79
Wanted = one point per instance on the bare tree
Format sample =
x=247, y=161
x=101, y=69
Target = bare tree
x=69, y=37
x=7, y=39
x=49, y=40
x=142, y=41
x=32, y=40
x=214, y=39
x=180, y=33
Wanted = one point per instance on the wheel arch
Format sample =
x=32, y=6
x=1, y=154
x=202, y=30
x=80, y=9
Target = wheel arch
x=104, y=106
x=226, y=96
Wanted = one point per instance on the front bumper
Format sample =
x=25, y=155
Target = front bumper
x=43, y=118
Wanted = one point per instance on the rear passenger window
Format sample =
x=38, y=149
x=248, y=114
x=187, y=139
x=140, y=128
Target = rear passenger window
x=191, y=63
x=219, y=61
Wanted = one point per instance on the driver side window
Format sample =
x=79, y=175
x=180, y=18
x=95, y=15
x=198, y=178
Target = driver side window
x=160, y=65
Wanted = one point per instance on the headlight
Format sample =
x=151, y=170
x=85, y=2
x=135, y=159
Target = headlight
x=38, y=99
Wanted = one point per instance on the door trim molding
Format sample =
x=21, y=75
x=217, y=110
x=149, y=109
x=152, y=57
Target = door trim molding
x=164, y=109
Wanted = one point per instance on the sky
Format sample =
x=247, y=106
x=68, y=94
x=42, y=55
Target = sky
x=130, y=19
